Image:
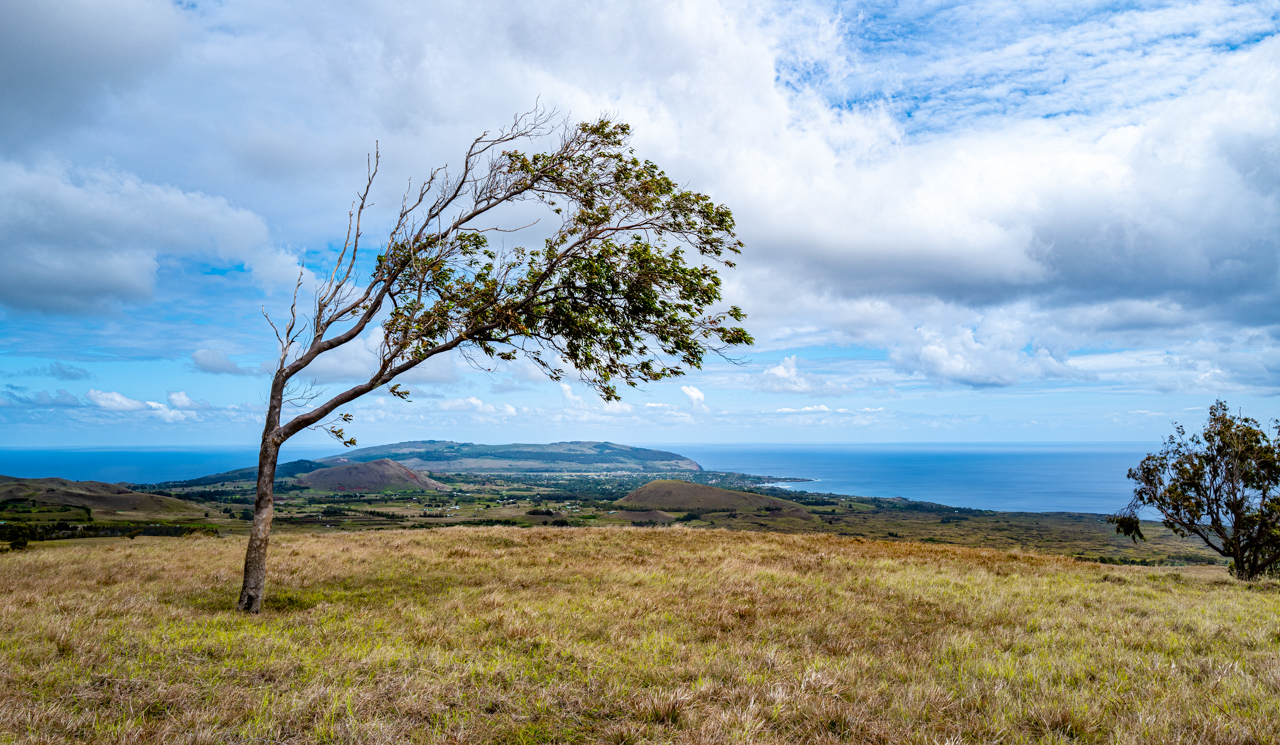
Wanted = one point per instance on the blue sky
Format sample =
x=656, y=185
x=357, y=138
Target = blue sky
x=978, y=221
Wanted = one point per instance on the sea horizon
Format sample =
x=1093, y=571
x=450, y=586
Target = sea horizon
x=1016, y=477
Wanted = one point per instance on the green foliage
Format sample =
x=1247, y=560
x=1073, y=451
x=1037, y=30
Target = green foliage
x=600, y=490
x=610, y=292
x=1221, y=486
x=16, y=535
x=622, y=291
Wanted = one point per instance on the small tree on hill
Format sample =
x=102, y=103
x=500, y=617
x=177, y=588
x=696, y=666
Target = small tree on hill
x=1222, y=486
x=16, y=535
x=610, y=294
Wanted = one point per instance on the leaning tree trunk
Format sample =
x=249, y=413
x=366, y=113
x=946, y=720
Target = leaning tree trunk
x=255, y=557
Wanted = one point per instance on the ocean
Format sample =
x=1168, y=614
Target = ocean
x=1019, y=478
x=1007, y=477
x=137, y=465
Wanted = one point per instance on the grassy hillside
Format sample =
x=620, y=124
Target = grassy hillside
x=683, y=496
x=643, y=516
x=583, y=500
x=376, y=475
x=499, y=635
x=247, y=474
x=465, y=457
x=111, y=501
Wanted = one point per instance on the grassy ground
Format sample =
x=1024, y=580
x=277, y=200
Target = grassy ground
x=479, y=635
x=1068, y=533
x=1073, y=534
x=488, y=499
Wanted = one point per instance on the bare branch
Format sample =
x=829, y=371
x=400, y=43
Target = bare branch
x=608, y=294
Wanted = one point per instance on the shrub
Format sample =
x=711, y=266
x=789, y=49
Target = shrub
x=1222, y=486
x=16, y=535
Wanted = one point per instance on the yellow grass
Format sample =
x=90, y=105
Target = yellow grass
x=505, y=635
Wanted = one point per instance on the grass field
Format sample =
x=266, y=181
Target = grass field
x=507, y=635
x=581, y=500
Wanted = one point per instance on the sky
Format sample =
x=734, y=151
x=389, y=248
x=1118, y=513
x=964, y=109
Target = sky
x=963, y=221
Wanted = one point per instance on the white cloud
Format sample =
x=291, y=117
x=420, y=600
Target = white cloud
x=697, y=399
x=217, y=362
x=60, y=56
x=471, y=403
x=570, y=398
x=169, y=415
x=987, y=197
x=114, y=401
x=16, y=396
x=83, y=240
x=180, y=400
x=786, y=377
x=968, y=247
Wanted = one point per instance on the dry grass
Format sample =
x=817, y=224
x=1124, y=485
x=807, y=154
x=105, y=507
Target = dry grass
x=626, y=636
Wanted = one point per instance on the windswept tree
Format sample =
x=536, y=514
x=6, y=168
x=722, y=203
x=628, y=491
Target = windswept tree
x=1222, y=486
x=620, y=291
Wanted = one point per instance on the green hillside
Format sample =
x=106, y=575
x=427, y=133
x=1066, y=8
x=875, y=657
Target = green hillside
x=250, y=473
x=113, y=499
x=683, y=496
x=556, y=457
x=443, y=456
x=375, y=475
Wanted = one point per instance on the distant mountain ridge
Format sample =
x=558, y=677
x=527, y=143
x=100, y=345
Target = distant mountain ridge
x=445, y=456
x=250, y=473
x=556, y=457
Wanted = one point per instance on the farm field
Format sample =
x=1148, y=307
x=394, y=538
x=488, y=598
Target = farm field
x=626, y=635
